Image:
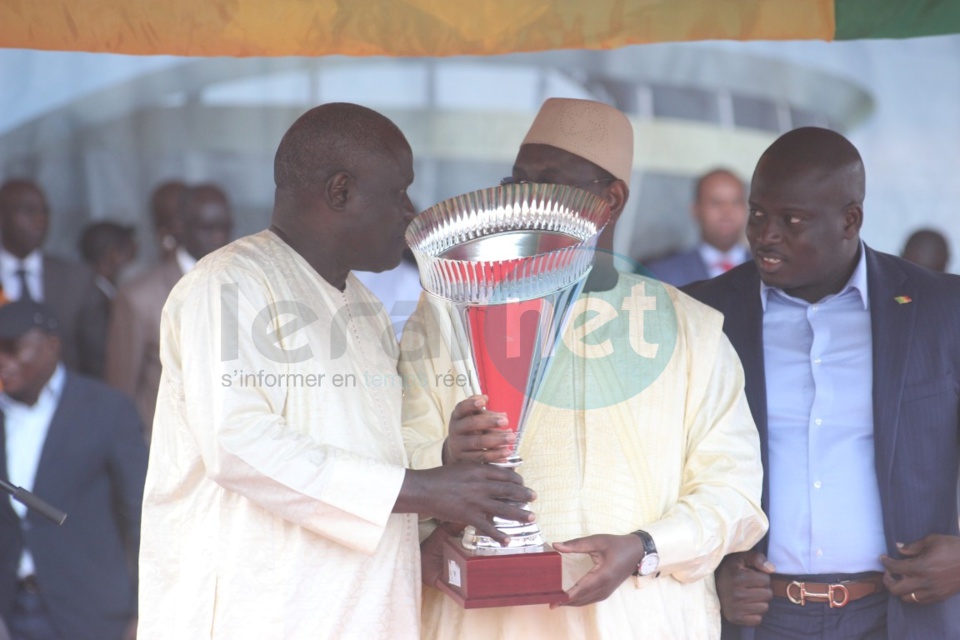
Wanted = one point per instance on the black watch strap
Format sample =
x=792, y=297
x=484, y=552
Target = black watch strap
x=649, y=548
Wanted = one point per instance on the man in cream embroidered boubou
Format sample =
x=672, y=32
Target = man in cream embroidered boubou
x=653, y=435
x=277, y=502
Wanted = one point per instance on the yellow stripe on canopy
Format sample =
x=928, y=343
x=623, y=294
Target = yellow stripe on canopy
x=396, y=27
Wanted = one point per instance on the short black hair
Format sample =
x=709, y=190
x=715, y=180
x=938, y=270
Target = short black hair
x=325, y=140
x=190, y=196
x=100, y=237
x=719, y=171
x=823, y=150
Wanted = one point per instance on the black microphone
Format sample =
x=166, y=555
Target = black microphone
x=33, y=502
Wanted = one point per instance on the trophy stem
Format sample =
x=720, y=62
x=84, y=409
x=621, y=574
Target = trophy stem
x=512, y=462
x=525, y=537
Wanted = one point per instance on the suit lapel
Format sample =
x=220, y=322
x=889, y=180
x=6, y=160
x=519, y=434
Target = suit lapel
x=56, y=448
x=6, y=509
x=891, y=323
x=747, y=336
x=701, y=270
x=3, y=448
x=49, y=282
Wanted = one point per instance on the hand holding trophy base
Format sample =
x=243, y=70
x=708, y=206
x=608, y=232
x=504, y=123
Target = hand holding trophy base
x=478, y=572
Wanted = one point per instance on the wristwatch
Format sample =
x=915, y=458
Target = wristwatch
x=650, y=561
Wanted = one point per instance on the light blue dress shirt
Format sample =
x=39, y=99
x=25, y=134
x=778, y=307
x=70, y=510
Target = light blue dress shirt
x=825, y=513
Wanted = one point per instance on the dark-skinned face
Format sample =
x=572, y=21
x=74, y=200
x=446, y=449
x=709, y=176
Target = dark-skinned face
x=721, y=210
x=803, y=229
x=207, y=226
x=545, y=164
x=117, y=259
x=380, y=209
x=166, y=213
x=927, y=250
x=27, y=363
x=24, y=219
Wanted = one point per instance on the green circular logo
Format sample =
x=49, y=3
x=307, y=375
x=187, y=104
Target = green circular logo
x=580, y=348
x=617, y=342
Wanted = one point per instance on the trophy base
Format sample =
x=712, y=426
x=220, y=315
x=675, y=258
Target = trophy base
x=478, y=580
x=525, y=537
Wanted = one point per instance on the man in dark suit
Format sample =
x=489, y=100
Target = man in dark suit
x=76, y=444
x=720, y=211
x=107, y=248
x=27, y=273
x=852, y=362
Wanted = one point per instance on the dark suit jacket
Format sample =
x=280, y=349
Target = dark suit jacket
x=680, y=268
x=92, y=467
x=916, y=405
x=69, y=289
x=93, y=333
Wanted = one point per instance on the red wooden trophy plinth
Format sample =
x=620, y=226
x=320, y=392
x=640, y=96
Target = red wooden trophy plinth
x=477, y=581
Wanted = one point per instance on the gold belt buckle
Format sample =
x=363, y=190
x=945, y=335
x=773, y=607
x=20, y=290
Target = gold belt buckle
x=833, y=591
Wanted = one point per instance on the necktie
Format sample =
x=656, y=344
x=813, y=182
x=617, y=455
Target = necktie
x=24, y=286
x=724, y=266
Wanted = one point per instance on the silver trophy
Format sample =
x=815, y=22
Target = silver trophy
x=512, y=261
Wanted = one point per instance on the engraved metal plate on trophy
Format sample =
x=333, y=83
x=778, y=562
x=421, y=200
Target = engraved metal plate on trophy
x=512, y=261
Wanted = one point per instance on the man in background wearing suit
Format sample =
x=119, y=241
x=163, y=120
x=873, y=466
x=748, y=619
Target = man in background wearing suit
x=133, y=337
x=76, y=444
x=27, y=273
x=720, y=210
x=852, y=361
x=107, y=248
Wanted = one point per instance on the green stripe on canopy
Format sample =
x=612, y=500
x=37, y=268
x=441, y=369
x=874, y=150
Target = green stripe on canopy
x=896, y=18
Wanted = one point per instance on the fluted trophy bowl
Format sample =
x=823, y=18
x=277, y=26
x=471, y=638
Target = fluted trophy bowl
x=503, y=244
x=511, y=260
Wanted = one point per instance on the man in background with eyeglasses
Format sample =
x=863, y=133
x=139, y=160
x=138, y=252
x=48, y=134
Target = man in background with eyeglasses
x=644, y=464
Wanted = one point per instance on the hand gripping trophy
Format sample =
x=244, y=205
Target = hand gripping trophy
x=512, y=261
